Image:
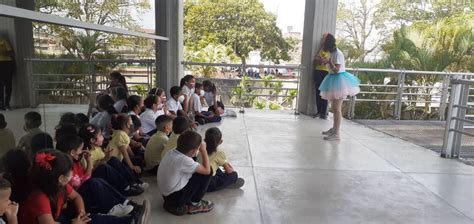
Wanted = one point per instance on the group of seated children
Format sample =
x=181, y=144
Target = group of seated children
x=96, y=164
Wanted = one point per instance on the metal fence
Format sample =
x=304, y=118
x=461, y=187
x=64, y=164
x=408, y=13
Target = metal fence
x=74, y=81
x=458, y=137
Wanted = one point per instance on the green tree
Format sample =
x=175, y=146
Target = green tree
x=241, y=25
x=116, y=13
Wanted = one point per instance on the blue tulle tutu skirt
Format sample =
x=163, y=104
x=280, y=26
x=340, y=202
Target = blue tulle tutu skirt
x=339, y=86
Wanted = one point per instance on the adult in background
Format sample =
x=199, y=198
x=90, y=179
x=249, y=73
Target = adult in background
x=319, y=73
x=7, y=68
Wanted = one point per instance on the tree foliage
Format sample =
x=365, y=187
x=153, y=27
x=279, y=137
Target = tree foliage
x=240, y=25
x=115, y=13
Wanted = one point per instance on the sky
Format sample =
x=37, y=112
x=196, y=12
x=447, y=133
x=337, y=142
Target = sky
x=289, y=13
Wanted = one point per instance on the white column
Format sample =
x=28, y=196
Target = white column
x=169, y=54
x=320, y=17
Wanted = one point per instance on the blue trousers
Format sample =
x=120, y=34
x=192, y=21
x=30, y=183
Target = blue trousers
x=99, y=196
x=221, y=180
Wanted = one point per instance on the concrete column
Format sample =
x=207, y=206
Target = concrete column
x=320, y=17
x=20, y=34
x=169, y=54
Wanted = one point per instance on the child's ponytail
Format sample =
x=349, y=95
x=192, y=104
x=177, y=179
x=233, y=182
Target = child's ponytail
x=213, y=137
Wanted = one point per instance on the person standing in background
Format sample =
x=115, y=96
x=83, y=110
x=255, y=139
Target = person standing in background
x=320, y=72
x=7, y=68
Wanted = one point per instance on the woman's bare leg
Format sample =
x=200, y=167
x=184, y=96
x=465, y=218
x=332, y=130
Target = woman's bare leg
x=337, y=110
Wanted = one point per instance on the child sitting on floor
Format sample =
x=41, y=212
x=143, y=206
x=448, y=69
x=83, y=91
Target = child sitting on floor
x=180, y=125
x=218, y=159
x=202, y=117
x=32, y=124
x=157, y=142
x=6, y=137
x=120, y=142
x=182, y=181
x=8, y=208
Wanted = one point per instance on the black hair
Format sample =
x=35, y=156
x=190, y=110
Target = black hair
x=88, y=132
x=198, y=85
x=66, y=129
x=136, y=122
x=119, y=92
x=210, y=85
x=68, y=118
x=180, y=125
x=81, y=119
x=3, y=123
x=330, y=43
x=162, y=120
x=121, y=79
x=133, y=101
x=67, y=143
x=17, y=169
x=175, y=90
x=40, y=142
x=185, y=79
x=150, y=100
x=106, y=103
x=45, y=174
x=212, y=138
x=156, y=91
x=32, y=120
x=119, y=121
x=188, y=141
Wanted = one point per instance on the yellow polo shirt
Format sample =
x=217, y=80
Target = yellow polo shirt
x=326, y=55
x=154, y=148
x=5, y=47
x=97, y=154
x=171, y=144
x=216, y=159
x=7, y=140
x=119, y=139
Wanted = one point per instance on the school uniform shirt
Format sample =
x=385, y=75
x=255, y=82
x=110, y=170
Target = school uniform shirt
x=322, y=67
x=337, y=57
x=174, y=172
x=97, y=154
x=8, y=141
x=38, y=204
x=216, y=160
x=171, y=144
x=154, y=148
x=102, y=120
x=119, y=139
x=174, y=105
x=148, y=119
x=209, y=96
x=196, y=103
x=187, y=91
x=119, y=105
x=25, y=141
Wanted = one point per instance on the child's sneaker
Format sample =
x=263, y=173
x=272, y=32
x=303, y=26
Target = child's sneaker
x=143, y=185
x=238, y=184
x=120, y=210
x=133, y=191
x=179, y=211
x=332, y=137
x=328, y=132
x=200, y=207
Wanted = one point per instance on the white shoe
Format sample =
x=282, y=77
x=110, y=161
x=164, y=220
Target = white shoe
x=144, y=185
x=120, y=210
x=329, y=132
x=332, y=137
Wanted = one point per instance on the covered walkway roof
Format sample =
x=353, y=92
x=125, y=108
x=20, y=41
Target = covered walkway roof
x=293, y=176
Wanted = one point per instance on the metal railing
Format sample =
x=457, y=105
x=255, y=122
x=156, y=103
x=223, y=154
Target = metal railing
x=78, y=81
x=243, y=87
x=458, y=121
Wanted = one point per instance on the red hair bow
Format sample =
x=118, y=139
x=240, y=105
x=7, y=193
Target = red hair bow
x=43, y=159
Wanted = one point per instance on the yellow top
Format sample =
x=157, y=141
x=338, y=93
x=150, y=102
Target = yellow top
x=8, y=141
x=97, y=154
x=323, y=54
x=5, y=47
x=119, y=139
x=154, y=148
x=216, y=159
x=171, y=144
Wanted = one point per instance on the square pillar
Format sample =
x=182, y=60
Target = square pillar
x=320, y=17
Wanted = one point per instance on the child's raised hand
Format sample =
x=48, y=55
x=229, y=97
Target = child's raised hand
x=203, y=148
x=81, y=219
x=12, y=210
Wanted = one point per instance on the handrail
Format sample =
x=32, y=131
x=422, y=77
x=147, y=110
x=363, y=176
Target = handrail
x=241, y=65
x=94, y=60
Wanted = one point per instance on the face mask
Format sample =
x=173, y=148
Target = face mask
x=181, y=99
x=202, y=92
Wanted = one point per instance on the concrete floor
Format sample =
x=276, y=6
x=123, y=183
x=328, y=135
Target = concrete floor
x=293, y=176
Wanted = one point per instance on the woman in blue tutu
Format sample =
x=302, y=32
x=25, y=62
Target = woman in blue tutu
x=337, y=85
